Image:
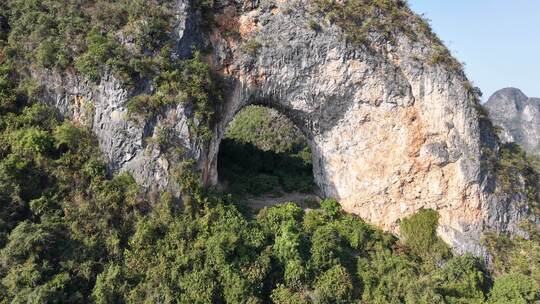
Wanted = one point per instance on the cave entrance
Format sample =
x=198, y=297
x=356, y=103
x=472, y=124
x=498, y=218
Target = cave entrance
x=265, y=159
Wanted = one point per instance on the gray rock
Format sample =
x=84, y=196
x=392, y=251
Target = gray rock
x=518, y=116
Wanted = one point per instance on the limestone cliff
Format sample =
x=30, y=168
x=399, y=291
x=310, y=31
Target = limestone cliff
x=518, y=116
x=392, y=123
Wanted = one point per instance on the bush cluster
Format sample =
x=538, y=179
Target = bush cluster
x=187, y=81
x=360, y=18
x=266, y=129
x=89, y=35
x=131, y=40
x=248, y=169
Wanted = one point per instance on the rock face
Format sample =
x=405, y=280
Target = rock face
x=124, y=142
x=518, y=116
x=390, y=133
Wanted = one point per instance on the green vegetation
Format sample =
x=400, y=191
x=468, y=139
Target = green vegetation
x=252, y=46
x=514, y=288
x=442, y=55
x=364, y=21
x=189, y=81
x=314, y=25
x=62, y=218
x=420, y=235
x=247, y=169
x=85, y=34
x=72, y=233
x=516, y=170
x=102, y=51
x=263, y=152
x=267, y=130
x=359, y=18
x=516, y=254
x=128, y=39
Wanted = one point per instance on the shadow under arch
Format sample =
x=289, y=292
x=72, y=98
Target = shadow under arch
x=264, y=151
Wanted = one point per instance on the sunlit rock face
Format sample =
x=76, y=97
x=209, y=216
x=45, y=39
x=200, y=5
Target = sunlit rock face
x=390, y=134
x=518, y=116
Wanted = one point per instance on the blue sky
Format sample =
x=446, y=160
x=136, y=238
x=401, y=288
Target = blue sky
x=499, y=40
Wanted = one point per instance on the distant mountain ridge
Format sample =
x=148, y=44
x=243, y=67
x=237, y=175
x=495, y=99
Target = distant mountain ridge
x=518, y=116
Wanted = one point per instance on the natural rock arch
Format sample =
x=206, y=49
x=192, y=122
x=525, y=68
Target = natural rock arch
x=391, y=132
x=367, y=130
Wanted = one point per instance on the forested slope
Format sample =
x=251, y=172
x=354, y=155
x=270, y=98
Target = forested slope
x=70, y=233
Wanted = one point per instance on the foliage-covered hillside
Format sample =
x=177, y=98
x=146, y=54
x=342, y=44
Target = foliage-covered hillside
x=70, y=232
x=131, y=40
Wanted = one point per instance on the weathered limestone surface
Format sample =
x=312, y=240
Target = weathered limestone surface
x=390, y=134
x=124, y=141
x=518, y=116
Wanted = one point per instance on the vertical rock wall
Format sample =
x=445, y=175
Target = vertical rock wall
x=390, y=133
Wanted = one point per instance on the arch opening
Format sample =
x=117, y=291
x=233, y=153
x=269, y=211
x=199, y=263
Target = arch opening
x=263, y=154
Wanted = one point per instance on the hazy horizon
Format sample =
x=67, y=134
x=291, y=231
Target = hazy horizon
x=497, y=40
